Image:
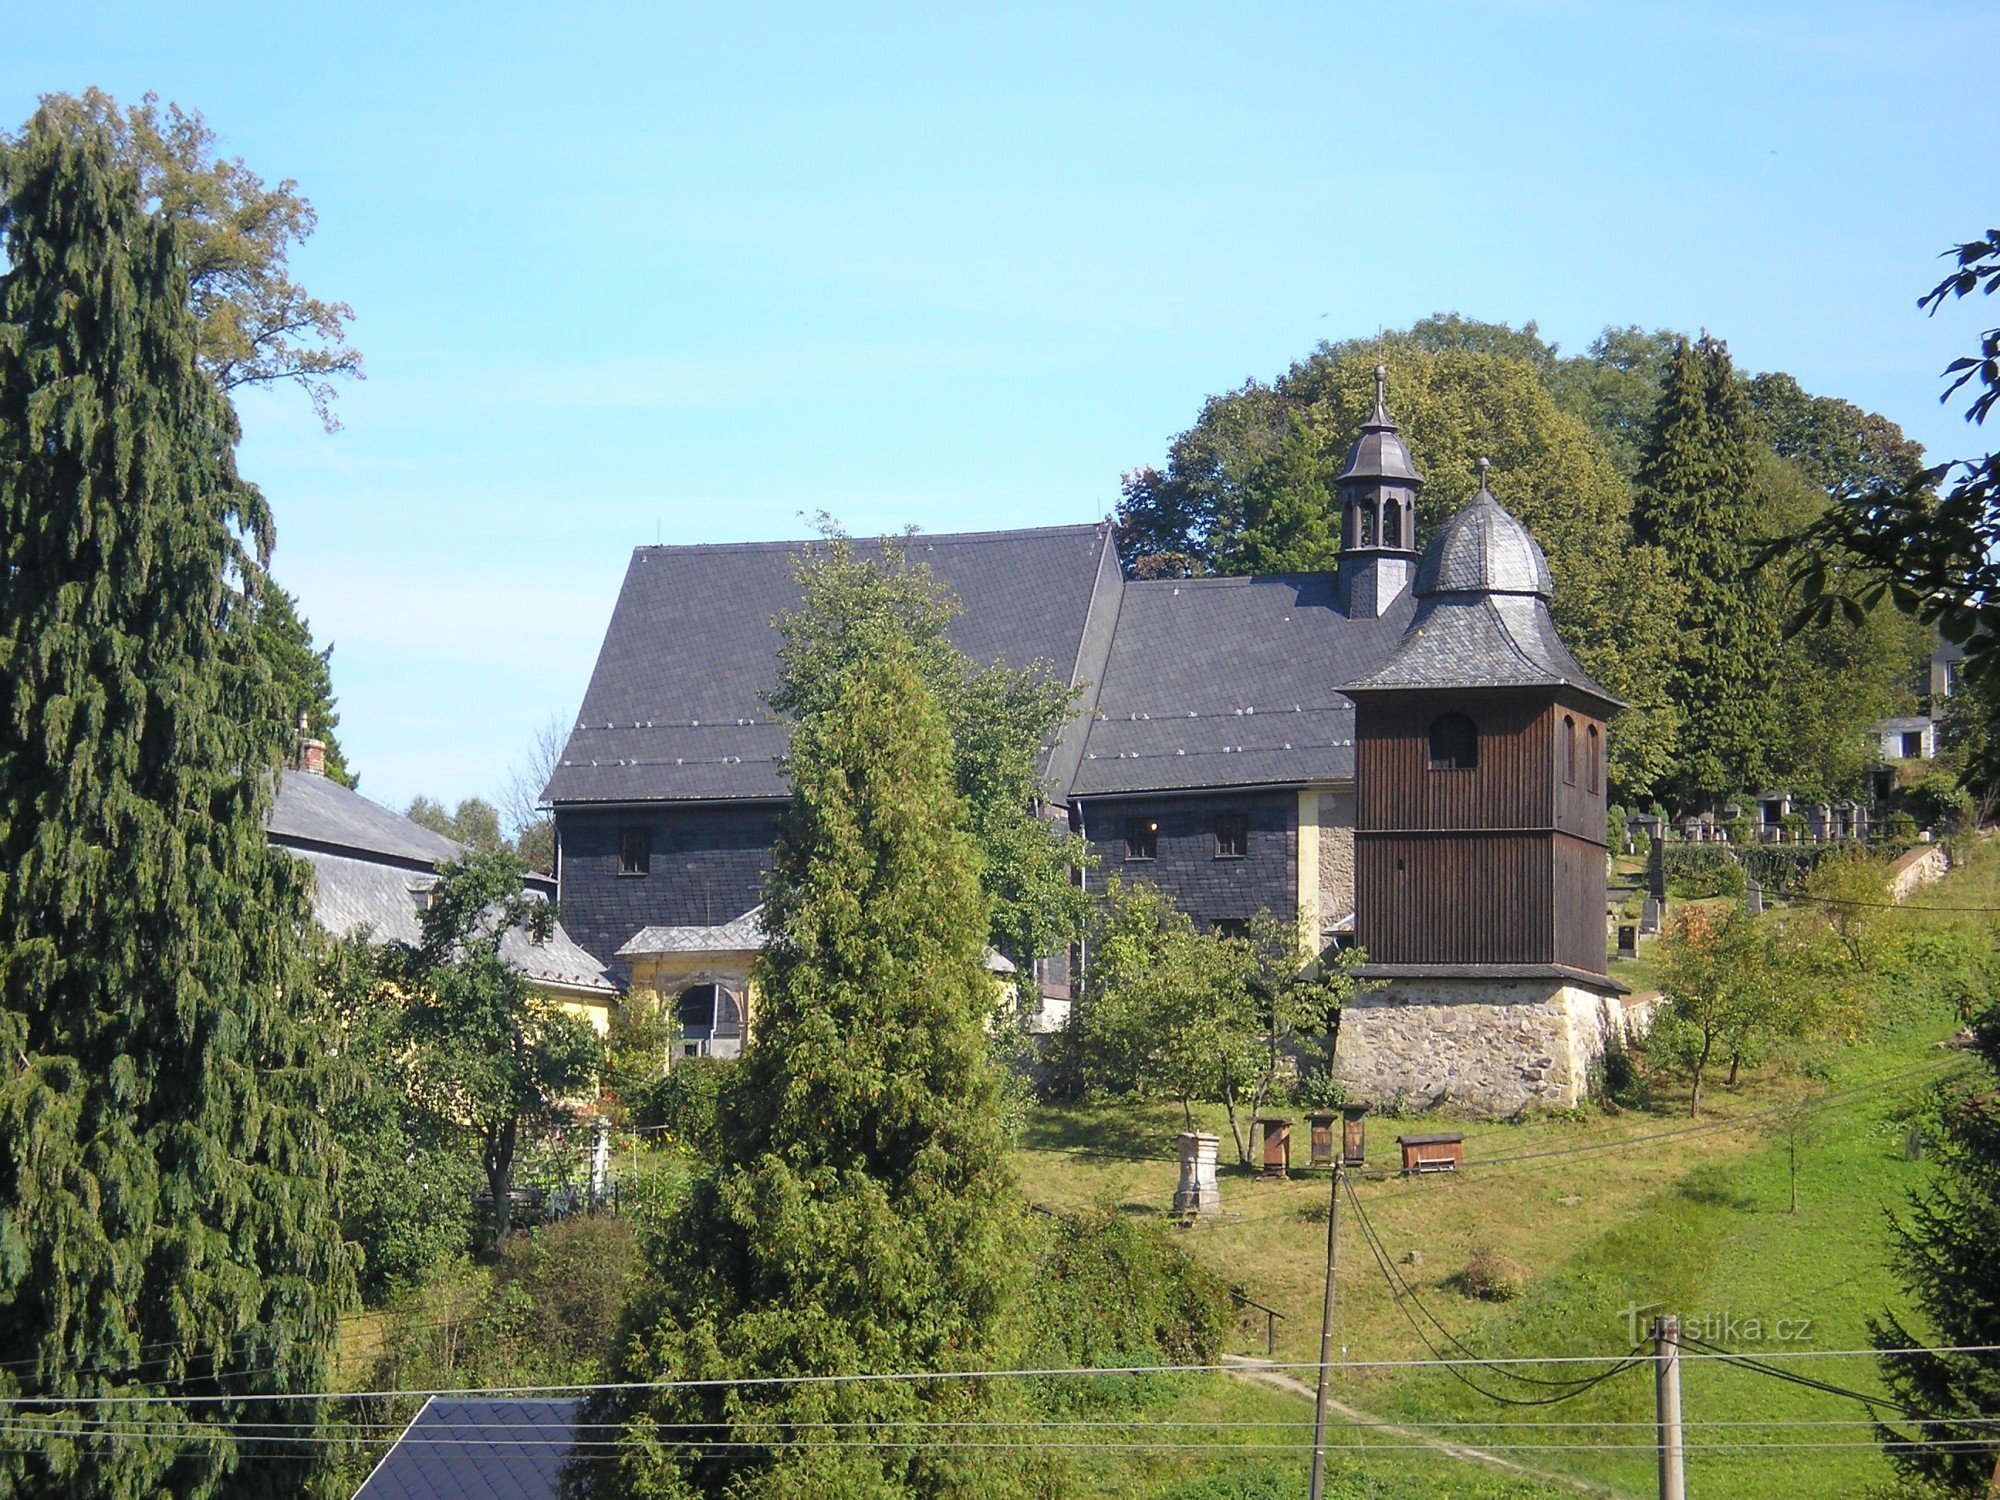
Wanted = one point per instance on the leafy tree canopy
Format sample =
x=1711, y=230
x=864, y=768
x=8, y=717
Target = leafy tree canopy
x=256, y=325
x=1929, y=544
x=1250, y=488
x=488, y=1048
x=475, y=822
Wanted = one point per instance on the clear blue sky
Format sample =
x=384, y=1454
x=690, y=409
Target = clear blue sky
x=692, y=271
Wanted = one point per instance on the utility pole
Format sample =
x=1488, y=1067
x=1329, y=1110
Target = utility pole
x=1317, y=1489
x=1667, y=1385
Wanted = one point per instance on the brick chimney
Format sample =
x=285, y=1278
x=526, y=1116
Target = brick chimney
x=310, y=756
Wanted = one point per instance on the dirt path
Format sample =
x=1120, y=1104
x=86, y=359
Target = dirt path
x=1261, y=1372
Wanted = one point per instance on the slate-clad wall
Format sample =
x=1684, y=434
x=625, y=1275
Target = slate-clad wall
x=1207, y=888
x=708, y=866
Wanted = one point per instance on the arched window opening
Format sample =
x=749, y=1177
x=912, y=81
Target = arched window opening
x=1569, y=750
x=1454, y=743
x=697, y=1006
x=1392, y=525
x=1592, y=767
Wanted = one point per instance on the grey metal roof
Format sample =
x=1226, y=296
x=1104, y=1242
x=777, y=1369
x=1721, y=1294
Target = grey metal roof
x=458, y=1449
x=371, y=867
x=675, y=708
x=1484, y=550
x=313, y=810
x=1217, y=682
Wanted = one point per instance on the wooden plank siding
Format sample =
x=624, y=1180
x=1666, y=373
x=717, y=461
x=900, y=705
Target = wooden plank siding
x=1499, y=864
x=1457, y=898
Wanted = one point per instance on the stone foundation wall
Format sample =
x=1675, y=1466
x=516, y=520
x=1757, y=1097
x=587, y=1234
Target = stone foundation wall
x=1487, y=1047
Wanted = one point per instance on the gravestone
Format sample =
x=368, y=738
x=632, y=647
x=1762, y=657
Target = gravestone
x=1753, y=896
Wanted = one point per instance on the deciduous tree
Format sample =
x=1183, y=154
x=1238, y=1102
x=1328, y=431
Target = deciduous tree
x=488, y=1049
x=255, y=324
x=1250, y=488
x=167, y=1205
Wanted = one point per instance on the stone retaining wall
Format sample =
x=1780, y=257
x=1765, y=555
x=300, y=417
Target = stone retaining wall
x=1492, y=1047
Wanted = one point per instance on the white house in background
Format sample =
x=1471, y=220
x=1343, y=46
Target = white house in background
x=1911, y=738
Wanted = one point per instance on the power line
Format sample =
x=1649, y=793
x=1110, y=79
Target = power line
x=1567, y=1391
x=918, y=1376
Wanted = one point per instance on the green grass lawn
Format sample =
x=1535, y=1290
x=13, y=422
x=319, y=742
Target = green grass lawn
x=1605, y=1213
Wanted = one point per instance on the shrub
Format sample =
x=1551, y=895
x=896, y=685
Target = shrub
x=1618, y=1077
x=1113, y=1292
x=1782, y=869
x=1938, y=801
x=1698, y=871
x=573, y=1275
x=682, y=1105
x=1317, y=1090
x=1491, y=1276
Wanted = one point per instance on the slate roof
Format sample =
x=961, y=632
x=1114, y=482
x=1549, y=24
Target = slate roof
x=744, y=934
x=458, y=1449
x=1484, y=549
x=675, y=707
x=1212, y=682
x=1482, y=616
x=371, y=868
x=315, y=812
x=1217, y=682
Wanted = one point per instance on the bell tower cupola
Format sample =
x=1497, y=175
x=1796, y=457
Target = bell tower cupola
x=1378, y=513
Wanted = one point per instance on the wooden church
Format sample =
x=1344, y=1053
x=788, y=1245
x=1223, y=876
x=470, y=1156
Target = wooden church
x=1401, y=752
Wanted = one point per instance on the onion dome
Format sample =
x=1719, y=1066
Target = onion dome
x=1484, y=550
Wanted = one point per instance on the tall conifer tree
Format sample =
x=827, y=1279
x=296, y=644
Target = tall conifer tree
x=1947, y=1249
x=1694, y=503
x=857, y=1216
x=166, y=1203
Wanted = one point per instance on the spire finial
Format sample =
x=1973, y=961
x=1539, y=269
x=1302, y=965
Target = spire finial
x=1381, y=388
x=1483, y=464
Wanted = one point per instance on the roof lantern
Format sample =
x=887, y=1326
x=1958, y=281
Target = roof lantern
x=1378, y=453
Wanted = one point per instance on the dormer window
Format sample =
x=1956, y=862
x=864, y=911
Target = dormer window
x=635, y=849
x=1142, y=838
x=1454, y=743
